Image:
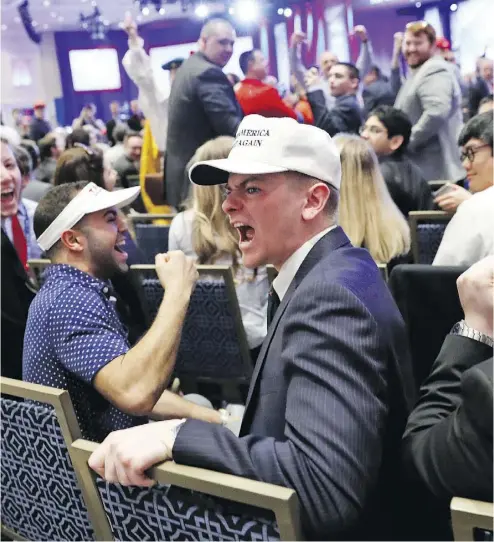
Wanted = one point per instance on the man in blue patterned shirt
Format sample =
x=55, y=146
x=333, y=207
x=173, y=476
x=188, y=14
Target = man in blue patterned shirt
x=74, y=339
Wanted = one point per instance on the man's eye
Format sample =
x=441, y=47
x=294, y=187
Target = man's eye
x=252, y=190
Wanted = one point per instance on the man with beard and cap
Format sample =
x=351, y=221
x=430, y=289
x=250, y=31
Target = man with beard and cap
x=74, y=339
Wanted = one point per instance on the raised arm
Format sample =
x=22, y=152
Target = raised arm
x=152, y=99
x=395, y=78
x=296, y=66
x=365, y=58
x=135, y=380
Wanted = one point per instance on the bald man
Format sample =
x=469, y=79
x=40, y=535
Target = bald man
x=202, y=105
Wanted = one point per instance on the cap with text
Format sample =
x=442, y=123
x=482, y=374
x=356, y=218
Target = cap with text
x=90, y=199
x=274, y=145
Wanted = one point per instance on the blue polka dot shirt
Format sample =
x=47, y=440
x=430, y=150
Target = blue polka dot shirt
x=72, y=331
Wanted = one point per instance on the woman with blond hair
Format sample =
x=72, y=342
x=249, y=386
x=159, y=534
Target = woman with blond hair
x=367, y=213
x=203, y=232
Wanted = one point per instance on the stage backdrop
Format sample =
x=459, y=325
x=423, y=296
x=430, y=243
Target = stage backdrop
x=155, y=35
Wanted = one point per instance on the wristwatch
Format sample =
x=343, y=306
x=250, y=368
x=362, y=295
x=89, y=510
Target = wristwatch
x=461, y=328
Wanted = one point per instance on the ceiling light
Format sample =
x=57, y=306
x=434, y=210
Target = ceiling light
x=162, y=11
x=145, y=11
x=45, y=26
x=34, y=23
x=17, y=20
x=453, y=7
x=4, y=27
x=288, y=12
x=94, y=3
x=53, y=14
x=280, y=11
x=139, y=18
x=46, y=3
x=247, y=10
x=60, y=19
x=202, y=11
x=418, y=5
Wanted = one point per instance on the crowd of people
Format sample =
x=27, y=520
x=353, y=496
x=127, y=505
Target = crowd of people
x=317, y=182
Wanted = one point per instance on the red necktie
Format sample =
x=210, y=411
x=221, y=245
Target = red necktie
x=20, y=243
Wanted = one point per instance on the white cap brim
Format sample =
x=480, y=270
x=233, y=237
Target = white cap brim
x=89, y=200
x=213, y=172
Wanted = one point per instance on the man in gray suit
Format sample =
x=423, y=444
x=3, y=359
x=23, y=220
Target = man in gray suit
x=431, y=98
x=332, y=385
x=202, y=105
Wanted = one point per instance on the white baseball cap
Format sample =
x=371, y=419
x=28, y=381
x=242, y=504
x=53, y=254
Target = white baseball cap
x=273, y=145
x=90, y=199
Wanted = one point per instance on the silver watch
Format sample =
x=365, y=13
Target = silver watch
x=461, y=328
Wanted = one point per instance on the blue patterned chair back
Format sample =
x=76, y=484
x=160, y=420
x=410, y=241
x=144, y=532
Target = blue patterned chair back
x=189, y=503
x=41, y=495
x=213, y=344
x=427, y=230
x=167, y=512
x=151, y=239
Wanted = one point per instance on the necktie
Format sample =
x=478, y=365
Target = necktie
x=273, y=304
x=20, y=243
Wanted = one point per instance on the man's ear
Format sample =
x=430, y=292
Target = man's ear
x=355, y=83
x=73, y=240
x=396, y=142
x=317, y=197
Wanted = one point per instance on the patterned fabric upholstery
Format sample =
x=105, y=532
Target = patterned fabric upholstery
x=151, y=239
x=173, y=513
x=429, y=237
x=41, y=499
x=209, y=345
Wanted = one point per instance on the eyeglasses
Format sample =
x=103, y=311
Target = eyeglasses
x=470, y=152
x=372, y=129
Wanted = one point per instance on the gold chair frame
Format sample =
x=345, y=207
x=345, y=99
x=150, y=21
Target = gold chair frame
x=64, y=410
x=281, y=500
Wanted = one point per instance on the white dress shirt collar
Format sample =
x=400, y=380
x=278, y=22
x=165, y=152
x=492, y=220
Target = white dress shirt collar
x=289, y=269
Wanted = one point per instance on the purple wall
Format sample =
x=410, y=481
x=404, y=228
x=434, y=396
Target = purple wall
x=154, y=34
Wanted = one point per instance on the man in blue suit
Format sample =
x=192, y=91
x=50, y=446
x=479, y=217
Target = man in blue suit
x=332, y=386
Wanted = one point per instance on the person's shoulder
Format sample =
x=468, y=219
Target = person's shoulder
x=481, y=201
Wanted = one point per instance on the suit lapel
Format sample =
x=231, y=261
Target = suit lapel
x=331, y=241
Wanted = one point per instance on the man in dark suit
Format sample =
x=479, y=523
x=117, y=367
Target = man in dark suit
x=346, y=114
x=448, y=439
x=202, y=105
x=17, y=294
x=482, y=86
x=332, y=386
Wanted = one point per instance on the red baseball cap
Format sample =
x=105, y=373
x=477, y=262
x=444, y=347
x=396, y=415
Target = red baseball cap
x=39, y=105
x=443, y=44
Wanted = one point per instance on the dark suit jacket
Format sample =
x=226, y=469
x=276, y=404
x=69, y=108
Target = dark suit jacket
x=448, y=439
x=202, y=106
x=110, y=126
x=328, y=400
x=38, y=129
x=477, y=90
x=377, y=93
x=17, y=294
x=406, y=184
x=345, y=116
